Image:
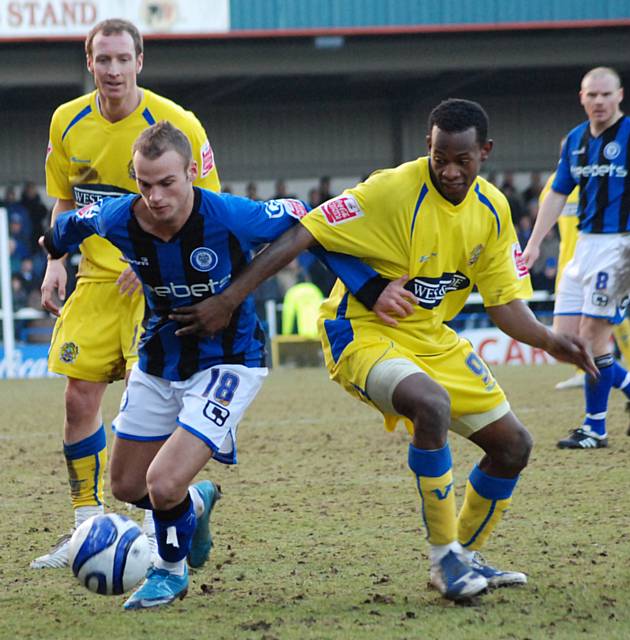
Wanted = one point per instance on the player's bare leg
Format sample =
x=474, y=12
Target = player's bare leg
x=181, y=512
x=596, y=333
x=427, y=405
x=85, y=449
x=506, y=445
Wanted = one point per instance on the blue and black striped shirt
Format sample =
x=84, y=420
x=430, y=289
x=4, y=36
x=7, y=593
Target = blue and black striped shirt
x=213, y=246
x=600, y=167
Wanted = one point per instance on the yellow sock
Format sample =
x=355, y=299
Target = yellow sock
x=622, y=338
x=486, y=500
x=86, y=461
x=434, y=479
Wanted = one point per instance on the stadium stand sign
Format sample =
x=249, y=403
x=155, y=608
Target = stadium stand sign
x=67, y=19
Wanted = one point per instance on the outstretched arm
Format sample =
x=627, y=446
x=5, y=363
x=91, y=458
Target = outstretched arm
x=517, y=320
x=213, y=314
x=547, y=216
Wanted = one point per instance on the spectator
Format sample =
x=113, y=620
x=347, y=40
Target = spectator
x=19, y=247
x=16, y=208
x=513, y=197
x=524, y=230
x=543, y=271
x=532, y=191
x=251, y=191
x=281, y=190
x=324, y=189
x=314, y=197
x=37, y=212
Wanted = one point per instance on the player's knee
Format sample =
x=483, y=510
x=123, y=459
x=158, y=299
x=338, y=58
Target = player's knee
x=123, y=488
x=82, y=403
x=163, y=491
x=432, y=412
x=515, y=450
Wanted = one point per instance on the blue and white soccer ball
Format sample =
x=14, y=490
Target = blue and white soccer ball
x=109, y=554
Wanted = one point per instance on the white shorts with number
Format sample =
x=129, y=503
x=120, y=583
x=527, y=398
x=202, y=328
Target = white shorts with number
x=589, y=284
x=209, y=405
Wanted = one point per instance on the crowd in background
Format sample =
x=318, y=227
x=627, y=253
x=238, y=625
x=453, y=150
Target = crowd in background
x=29, y=216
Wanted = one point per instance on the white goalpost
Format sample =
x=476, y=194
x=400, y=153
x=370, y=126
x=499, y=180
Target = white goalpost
x=6, y=313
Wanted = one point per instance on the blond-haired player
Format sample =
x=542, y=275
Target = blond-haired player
x=96, y=337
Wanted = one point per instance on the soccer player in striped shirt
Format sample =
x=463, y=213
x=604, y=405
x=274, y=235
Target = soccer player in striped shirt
x=593, y=295
x=187, y=394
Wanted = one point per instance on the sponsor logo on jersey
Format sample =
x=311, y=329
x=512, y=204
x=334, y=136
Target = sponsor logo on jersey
x=141, y=262
x=207, y=159
x=426, y=258
x=599, y=299
x=204, y=259
x=78, y=160
x=295, y=208
x=475, y=254
x=196, y=290
x=431, y=291
x=68, y=352
x=86, y=193
x=49, y=149
x=612, y=150
x=89, y=211
x=519, y=262
x=341, y=209
x=599, y=170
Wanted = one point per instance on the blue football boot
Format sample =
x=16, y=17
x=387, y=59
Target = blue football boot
x=496, y=577
x=455, y=579
x=202, y=538
x=159, y=588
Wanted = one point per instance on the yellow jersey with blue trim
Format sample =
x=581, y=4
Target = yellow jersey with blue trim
x=89, y=158
x=399, y=224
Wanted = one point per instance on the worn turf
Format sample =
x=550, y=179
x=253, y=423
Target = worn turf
x=318, y=532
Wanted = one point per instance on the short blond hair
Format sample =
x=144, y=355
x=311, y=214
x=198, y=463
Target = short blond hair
x=114, y=25
x=160, y=138
x=597, y=72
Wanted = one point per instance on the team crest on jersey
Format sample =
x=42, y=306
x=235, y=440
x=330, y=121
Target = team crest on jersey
x=277, y=208
x=207, y=159
x=612, y=150
x=89, y=211
x=519, y=263
x=68, y=352
x=341, y=209
x=474, y=256
x=204, y=259
x=431, y=291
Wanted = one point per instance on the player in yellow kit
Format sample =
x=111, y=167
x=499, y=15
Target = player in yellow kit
x=95, y=339
x=432, y=229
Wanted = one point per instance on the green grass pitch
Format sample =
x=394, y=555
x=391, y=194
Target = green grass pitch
x=318, y=534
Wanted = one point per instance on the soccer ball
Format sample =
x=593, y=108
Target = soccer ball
x=109, y=554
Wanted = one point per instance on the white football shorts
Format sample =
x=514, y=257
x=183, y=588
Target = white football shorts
x=589, y=283
x=210, y=405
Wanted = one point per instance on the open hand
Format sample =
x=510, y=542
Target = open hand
x=395, y=300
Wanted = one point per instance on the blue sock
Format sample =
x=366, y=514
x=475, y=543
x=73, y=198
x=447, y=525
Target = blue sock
x=174, y=530
x=621, y=379
x=596, y=393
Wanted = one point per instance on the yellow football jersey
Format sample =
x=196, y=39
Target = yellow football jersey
x=398, y=223
x=89, y=158
x=567, y=226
